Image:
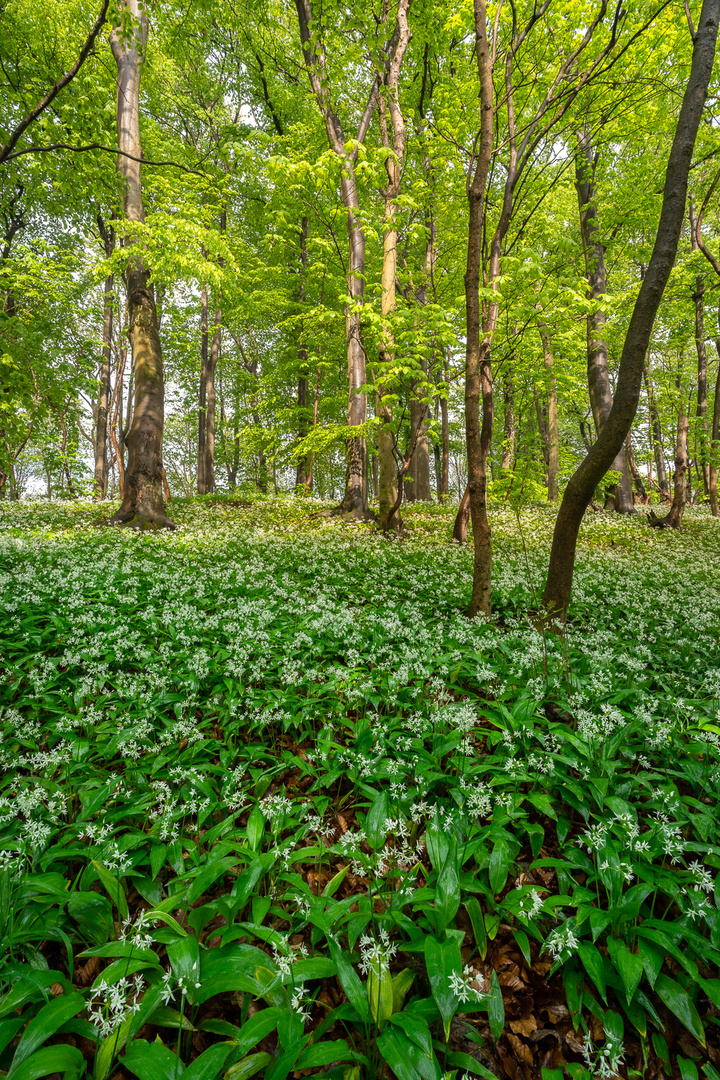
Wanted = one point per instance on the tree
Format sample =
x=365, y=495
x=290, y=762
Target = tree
x=144, y=499
x=584, y=480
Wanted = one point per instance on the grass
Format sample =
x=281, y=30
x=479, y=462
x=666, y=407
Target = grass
x=272, y=805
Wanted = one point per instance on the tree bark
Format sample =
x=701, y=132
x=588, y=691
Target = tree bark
x=210, y=406
x=581, y=486
x=507, y=462
x=478, y=370
x=202, y=394
x=389, y=103
x=619, y=497
x=355, y=500
x=701, y=436
x=101, y=418
x=656, y=433
x=143, y=504
x=553, y=435
x=634, y=471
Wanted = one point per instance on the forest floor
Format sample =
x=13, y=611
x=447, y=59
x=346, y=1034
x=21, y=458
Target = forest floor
x=271, y=805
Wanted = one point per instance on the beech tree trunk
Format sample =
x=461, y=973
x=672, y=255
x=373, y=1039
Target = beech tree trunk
x=210, y=406
x=619, y=497
x=202, y=394
x=478, y=370
x=355, y=500
x=581, y=486
x=553, y=435
x=144, y=498
x=101, y=418
x=507, y=462
x=701, y=436
x=656, y=434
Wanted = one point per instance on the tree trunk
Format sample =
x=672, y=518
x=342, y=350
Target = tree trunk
x=507, y=463
x=478, y=370
x=355, y=500
x=107, y=235
x=389, y=103
x=582, y=484
x=144, y=500
x=674, y=518
x=553, y=436
x=101, y=423
x=701, y=435
x=210, y=406
x=445, y=429
x=656, y=433
x=634, y=471
x=619, y=496
x=202, y=395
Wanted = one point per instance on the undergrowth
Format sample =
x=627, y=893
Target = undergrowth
x=271, y=804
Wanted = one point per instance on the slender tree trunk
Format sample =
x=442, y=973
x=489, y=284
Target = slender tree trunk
x=701, y=436
x=101, y=423
x=144, y=499
x=389, y=104
x=542, y=425
x=634, y=471
x=107, y=235
x=445, y=430
x=581, y=486
x=715, y=438
x=619, y=497
x=656, y=433
x=478, y=370
x=202, y=394
x=355, y=500
x=508, y=449
x=210, y=406
x=553, y=435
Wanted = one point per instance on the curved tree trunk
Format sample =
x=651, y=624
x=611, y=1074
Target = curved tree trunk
x=144, y=499
x=581, y=486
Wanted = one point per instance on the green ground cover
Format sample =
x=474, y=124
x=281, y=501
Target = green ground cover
x=272, y=806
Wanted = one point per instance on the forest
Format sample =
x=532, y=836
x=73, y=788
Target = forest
x=359, y=539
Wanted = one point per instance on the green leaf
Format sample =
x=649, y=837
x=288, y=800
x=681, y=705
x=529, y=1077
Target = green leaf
x=375, y=824
x=630, y=966
x=380, y=994
x=243, y=1070
x=678, y=1002
x=652, y=957
x=592, y=961
x=349, y=979
x=113, y=887
x=688, y=1068
x=407, y=1060
x=255, y=827
x=184, y=957
x=496, y=1007
x=478, y=925
x=324, y=1053
x=51, y=1017
x=499, y=865
x=401, y=983
x=93, y=914
x=209, y=1065
x=152, y=1061
x=51, y=1059
x=441, y=960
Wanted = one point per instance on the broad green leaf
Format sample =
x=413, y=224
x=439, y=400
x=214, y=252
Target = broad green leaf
x=688, y=1068
x=152, y=1061
x=249, y=1066
x=349, y=979
x=407, y=1060
x=113, y=887
x=499, y=865
x=51, y=1017
x=478, y=924
x=592, y=961
x=496, y=1007
x=678, y=1002
x=51, y=1059
x=442, y=959
x=378, y=814
x=184, y=957
x=209, y=1065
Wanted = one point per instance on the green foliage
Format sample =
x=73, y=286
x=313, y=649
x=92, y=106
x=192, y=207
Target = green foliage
x=287, y=779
